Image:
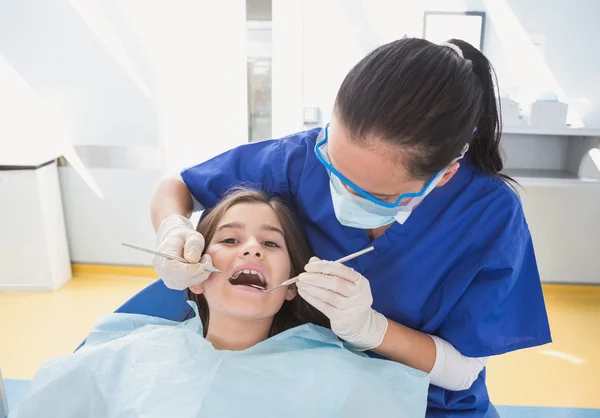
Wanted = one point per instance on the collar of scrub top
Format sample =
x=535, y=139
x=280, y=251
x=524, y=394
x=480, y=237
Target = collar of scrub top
x=360, y=191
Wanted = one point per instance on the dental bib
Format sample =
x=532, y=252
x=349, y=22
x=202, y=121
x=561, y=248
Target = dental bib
x=135, y=365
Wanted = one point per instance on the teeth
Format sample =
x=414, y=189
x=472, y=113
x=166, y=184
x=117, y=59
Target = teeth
x=260, y=276
x=248, y=271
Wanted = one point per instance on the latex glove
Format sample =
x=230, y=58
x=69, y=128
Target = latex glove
x=344, y=296
x=177, y=236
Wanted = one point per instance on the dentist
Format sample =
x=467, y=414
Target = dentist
x=411, y=164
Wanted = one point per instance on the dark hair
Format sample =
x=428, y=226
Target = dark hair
x=293, y=313
x=428, y=99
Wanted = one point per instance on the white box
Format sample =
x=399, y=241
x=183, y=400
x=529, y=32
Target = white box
x=311, y=116
x=34, y=253
x=549, y=114
x=510, y=112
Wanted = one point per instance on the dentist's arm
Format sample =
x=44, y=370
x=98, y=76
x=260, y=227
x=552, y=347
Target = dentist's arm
x=170, y=210
x=171, y=196
x=344, y=296
x=447, y=367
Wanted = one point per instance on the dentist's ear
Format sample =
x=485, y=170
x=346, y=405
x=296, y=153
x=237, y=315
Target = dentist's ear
x=449, y=174
x=291, y=292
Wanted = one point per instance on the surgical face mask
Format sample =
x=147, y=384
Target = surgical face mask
x=358, y=212
x=368, y=213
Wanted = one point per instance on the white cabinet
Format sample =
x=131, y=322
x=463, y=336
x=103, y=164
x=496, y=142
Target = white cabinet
x=561, y=197
x=551, y=157
x=33, y=242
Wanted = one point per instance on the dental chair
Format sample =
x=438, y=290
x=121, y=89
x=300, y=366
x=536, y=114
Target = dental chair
x=158, y=300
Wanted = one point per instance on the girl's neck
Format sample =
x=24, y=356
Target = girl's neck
x=226, y=333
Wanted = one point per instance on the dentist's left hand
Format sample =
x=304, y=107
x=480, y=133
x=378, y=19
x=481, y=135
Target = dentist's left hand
x=344, y=296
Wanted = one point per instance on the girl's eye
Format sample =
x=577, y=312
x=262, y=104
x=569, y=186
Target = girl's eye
x=229, y=241
x=271, y=244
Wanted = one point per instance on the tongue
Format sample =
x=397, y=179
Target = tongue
x=245, y=279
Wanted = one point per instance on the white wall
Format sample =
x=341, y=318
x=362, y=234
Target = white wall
x=338, y=33
x=63, y=60
x=571, y=31
x=169, y=77
x=287, y=67
x=96, y=226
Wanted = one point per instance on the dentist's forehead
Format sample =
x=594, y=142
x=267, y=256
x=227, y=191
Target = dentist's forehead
x=375, y=167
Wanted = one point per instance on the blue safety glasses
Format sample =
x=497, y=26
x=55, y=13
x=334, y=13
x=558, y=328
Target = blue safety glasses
x=403, y=200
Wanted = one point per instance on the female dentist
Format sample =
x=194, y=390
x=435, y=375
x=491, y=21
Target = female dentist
x=411, y=164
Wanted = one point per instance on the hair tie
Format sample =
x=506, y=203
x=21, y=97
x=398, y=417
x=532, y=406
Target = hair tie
x=455, y=48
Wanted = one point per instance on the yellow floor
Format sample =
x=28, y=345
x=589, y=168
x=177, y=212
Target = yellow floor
x=565, y=373
x=35, y=327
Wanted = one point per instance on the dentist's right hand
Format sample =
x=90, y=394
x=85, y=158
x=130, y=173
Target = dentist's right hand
x=177, y=236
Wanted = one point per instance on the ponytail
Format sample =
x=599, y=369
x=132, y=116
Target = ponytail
x=484, y=148
x=426, y=98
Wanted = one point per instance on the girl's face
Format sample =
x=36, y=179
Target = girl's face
x=248, y=243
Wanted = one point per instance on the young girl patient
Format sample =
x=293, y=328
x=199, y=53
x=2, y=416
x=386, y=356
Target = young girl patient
x=245, y=353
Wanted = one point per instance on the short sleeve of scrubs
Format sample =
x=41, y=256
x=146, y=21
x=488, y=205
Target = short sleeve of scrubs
x=489, y=318
x=258, y=165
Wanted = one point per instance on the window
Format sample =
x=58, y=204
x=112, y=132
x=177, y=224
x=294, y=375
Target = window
x=259, y=42
x=259, y=98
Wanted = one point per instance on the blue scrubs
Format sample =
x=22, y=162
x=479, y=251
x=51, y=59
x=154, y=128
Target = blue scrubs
x=462, y=266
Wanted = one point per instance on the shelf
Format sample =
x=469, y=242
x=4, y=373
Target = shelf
x=549, y=178
x=566, y=131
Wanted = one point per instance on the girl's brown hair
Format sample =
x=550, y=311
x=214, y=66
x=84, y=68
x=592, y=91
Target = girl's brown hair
x=293, y=313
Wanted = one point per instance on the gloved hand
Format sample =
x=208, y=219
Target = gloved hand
x=344, y=296
x=176, y=236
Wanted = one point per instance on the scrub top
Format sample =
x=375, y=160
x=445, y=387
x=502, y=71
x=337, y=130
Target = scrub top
x=462, y=266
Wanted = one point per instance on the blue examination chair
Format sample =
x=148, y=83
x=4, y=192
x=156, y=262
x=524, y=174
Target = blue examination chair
x=158, y=300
